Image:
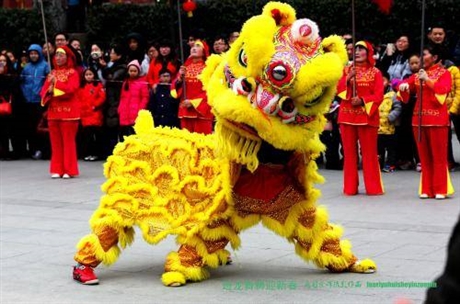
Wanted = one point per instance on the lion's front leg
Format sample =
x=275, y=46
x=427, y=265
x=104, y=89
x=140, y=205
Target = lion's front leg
x=206, y=248
x=319, y=241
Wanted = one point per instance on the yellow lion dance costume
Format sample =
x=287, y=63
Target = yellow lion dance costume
x=268, y=94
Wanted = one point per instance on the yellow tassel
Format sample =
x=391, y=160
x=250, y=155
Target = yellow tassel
x=173, y=277
x=190, y=273
x=363, y=266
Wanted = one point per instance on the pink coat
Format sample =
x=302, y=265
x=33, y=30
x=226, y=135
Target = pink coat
x=132, y=100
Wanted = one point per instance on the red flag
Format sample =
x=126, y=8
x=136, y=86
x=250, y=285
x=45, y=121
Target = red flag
x=384, y=5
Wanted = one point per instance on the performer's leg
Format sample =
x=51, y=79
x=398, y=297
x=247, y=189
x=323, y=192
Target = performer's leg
x=350, y=166
x=318, y=241
x=204, y=249
x=69, y=133
x=371, y=170
x=57, y=148
x=426, y=178
x=438, y=147
x=101, y=245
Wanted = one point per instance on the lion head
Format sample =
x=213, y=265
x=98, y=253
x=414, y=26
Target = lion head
x=273, y=85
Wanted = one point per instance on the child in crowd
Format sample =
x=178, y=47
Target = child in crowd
x=163, y=106
x=92, y=97
x=389, y=110
x=406, y=150
x=134, y=97
x=331, y=138
x=44, y=136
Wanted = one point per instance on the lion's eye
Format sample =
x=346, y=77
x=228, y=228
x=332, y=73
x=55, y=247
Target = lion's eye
x=242, y=58
x=279, y=72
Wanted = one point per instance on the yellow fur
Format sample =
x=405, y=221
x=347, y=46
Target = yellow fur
x=173, y=182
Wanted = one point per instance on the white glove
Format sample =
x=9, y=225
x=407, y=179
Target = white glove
x=422, y=75
x=404, y=87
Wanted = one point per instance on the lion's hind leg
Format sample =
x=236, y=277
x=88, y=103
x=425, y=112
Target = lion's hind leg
x=204, y=249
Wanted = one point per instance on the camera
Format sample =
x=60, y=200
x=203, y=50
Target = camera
x=96, y=55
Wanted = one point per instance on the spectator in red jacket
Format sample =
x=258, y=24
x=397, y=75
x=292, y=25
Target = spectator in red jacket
x=134, y=97
x=92, y=97
x=166, y=59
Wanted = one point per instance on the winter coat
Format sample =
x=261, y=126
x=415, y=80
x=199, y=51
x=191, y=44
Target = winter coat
x=92, y=97
x=114, y=75
x=399, y=67
x=453, y=98
x=389, y=110
x=134, y=97
x=164, y=107
x=33, y=76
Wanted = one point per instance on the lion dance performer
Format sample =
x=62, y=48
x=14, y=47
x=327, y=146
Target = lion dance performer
x=269, y=93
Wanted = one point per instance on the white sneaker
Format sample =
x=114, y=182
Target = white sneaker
x=66, y=176
x=87, y=158
x=423, y=195
x=55, y=175
x=440, y=196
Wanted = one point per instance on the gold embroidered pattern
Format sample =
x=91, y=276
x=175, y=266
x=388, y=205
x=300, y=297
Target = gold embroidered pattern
x=213, y=246
x=428, y=112
x=278, y=208
x=108, y=237
x=355, y=111
x=304, y=244
x=307, y=219
x=332, y=247
x=189, y=257
x=86, y=256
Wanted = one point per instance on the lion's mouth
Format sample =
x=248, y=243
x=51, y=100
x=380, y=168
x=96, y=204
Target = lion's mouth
x=243, y=127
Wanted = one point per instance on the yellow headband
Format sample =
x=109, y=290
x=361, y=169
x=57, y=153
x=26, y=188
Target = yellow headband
x=361, y=43
x=200, y=43
x=60, y=50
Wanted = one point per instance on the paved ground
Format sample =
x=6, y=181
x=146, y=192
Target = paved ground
x=42, y=220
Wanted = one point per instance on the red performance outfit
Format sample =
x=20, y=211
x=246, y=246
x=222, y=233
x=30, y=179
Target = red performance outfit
x=198, y=117
x=63, y=115
x=432, y=146
x=361, y=123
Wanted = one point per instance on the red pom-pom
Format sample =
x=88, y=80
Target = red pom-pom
x=276, y=14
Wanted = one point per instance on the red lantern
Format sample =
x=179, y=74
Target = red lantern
x=189, y=6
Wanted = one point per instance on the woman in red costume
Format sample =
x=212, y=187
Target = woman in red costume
x=433, y=122
x=361, y=90
x=59, y=95
x=194, y=111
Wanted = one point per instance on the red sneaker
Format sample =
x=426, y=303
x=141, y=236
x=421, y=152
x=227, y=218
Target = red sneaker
x=85, y=275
